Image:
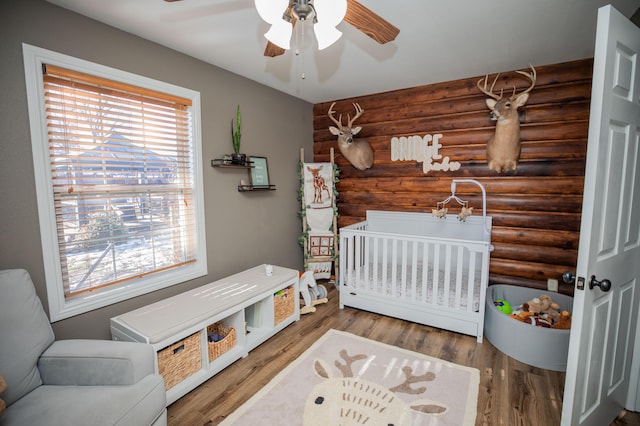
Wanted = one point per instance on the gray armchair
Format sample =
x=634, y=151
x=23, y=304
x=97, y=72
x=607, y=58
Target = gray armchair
x=70, y=382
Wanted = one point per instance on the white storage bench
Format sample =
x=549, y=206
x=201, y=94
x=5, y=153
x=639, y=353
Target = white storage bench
x=240, y=311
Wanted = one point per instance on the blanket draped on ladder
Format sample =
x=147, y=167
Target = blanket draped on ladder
x=319, y=217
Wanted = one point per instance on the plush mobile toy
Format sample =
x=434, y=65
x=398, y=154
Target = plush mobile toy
x=503, y=306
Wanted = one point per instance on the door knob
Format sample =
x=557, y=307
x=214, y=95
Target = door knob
x=605, y=285
x=569, y=278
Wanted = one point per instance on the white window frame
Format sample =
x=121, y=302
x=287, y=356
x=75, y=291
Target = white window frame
x=59, y=306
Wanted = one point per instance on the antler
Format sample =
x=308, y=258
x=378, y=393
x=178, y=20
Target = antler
x=359, y=112
x=531, y=76
x=410, y=379
x=490, y=92
x=349, y=360
x=331, y=112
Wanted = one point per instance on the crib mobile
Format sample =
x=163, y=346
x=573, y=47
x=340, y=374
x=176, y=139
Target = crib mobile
x=441, y=209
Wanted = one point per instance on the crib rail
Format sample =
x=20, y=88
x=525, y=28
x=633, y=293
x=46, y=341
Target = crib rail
x=437, y=272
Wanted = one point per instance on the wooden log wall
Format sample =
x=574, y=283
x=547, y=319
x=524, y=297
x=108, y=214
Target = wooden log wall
x=536, y=209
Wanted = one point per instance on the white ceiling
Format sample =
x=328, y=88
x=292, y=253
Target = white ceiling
x=439, y=40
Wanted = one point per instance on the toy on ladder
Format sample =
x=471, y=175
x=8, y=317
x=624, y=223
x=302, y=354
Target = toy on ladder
x=312, y=293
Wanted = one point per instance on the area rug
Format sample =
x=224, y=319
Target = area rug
x=344, y=379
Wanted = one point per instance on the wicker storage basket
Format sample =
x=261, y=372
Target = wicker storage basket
x=283, y=304
x=180, y=360
x=221, y=346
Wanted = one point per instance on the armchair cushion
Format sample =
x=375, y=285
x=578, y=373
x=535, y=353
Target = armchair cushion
x=138, y=404
x=95, y=362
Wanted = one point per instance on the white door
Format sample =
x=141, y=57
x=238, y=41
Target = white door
x=604, y=322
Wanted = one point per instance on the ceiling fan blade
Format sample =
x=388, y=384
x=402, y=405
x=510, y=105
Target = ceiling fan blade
x=370, y=23
x=171, y=1
x=273, y=50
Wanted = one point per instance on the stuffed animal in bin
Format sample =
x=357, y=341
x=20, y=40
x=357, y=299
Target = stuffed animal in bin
x=543, y=306
x=537, y=321
x=541, y=311
x=564, y=321
x=521, y=315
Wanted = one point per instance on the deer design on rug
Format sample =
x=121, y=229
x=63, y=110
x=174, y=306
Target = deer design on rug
x=319, y=185
x=503, y=148
x=357, y=152
x=350, y=400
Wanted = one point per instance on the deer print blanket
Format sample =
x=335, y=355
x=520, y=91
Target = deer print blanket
x=345, y=379
x=318, y=185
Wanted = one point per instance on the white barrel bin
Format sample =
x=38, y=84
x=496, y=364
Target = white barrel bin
x=537, y=346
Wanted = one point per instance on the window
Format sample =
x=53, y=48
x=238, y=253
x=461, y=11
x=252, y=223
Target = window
x=118, y=178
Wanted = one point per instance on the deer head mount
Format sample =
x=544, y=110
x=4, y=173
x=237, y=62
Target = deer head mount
x=503, y=148
x=353, y=400
x=357, y=152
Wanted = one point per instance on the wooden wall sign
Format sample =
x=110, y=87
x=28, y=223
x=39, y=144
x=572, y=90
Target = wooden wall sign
x=423, y=149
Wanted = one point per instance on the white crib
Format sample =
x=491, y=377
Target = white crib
x=419, y=268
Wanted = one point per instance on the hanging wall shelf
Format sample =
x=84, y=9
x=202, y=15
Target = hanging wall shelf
x=256, y=170
x=248, y=188
x=219, y=162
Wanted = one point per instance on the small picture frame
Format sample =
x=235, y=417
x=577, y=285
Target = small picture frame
x=259, y=171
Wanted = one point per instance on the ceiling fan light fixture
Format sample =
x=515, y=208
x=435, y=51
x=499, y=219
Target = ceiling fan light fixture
x=280, y=34
x=271, y=10
x=326, y=15
x=331, y=12
x=326, y=35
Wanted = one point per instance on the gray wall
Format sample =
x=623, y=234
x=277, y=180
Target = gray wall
x=243, y=229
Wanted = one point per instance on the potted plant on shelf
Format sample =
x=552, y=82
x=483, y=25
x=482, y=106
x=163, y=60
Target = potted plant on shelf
x=236, y=157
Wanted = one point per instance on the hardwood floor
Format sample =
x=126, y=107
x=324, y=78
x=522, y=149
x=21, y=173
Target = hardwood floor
x=511, y=393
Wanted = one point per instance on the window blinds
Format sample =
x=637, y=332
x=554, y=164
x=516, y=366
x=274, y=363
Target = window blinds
x=122, y=179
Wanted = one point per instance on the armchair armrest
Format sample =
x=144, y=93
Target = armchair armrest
x=96, y=362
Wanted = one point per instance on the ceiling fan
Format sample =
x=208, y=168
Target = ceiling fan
x=358, y=15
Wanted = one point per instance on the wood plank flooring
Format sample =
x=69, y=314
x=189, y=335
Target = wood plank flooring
x=511, y=393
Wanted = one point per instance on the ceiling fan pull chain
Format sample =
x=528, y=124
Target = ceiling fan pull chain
x=298, y=44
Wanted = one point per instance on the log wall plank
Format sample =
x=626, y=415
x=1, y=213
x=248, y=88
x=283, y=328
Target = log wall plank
x=536, y=209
